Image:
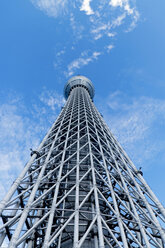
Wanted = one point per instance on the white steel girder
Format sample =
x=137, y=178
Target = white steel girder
x=80, y=189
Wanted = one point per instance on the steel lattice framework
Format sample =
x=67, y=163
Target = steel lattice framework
x=80, y=189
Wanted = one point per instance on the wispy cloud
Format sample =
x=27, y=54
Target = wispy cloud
x=88, y=22
x=52, y=99
x=109, y=47
x=136, y=122
x=83, y=60
x=17, y=136
x=99, y=30
x=118, y=21
x=133, y=24
x=21, y=129
x=52, y=8
x=122, y=4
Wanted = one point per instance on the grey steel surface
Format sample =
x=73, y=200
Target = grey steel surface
x=81, y=189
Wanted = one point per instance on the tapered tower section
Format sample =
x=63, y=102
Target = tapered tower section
x=80, y=189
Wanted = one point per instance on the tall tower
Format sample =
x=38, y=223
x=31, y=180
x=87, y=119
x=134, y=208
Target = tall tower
x=80, y=189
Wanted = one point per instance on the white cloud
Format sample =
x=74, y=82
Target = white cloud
x=122, y=4
x=116, y=3
x=16, y=135
x=61, y=52
x=51, y=7
x=52, y=99
x=85, y=59
x=133, y=24
x=128, y=9
x=111, y=34
x=98, y=20
x=98, y=36
x=86, y=7
x=125, y=5
x=137, y=116
x=100, y=30
x=77, y=27
x=21, y=129
x=135, y=122
x=109, y=47
x=118, y=21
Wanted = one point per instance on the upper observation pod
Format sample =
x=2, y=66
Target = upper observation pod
x=78, y=81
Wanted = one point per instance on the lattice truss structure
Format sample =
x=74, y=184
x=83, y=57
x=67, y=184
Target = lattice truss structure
x=80, y=189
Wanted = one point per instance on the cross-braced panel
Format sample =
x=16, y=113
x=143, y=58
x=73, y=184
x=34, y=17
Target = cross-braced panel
x=80, y=189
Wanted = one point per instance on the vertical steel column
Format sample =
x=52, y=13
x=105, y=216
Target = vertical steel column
x=76, y=221
x=100, y=229
x=93, y=209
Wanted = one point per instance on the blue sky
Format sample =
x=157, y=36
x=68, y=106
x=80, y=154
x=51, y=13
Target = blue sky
x=118, y=44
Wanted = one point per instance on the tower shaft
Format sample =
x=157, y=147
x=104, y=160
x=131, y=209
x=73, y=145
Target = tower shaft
x=80, y=188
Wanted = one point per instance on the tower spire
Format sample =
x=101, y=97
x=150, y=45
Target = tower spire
x=79, y=188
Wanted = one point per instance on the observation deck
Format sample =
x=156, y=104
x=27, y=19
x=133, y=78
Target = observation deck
x=79, y=81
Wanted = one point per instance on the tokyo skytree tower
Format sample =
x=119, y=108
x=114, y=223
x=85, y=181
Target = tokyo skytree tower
x=80, y=189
